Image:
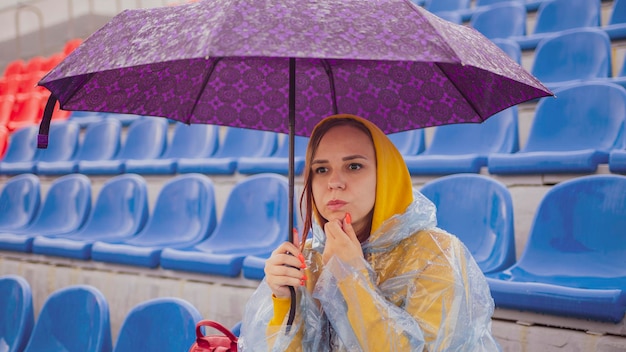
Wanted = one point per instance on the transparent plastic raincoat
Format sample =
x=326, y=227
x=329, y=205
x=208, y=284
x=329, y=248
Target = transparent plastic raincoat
x=420, y=290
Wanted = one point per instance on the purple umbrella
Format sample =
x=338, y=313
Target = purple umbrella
x=282, y=65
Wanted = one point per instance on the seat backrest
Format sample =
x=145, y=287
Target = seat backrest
x=66, y=206
x=63, y=142
x=193, y=141
x=26, y=108
x=501, y=20
x=145, y=139
x=121, y=207
x=255, y=217
x=478, y=210
x=22, y=145
x=74, y=318
x=498, y=134
x=160, y=324
x=16, y=313
x=411, y=142
x=559, y=15
x=239, y=142
x=446, y=5
x=581, y=53
x=4, y=141
x=585, y=116
x=510, y=47
x=300, y=144
x=14, y=67
x=184, y=212
x=101, y=140
x=19, y=201
x=579, y=230
x=618, y=13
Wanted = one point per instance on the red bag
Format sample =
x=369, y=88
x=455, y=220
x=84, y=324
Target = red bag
x=217, y=343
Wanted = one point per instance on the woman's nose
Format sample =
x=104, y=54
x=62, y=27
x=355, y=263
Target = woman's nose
x=336, y=182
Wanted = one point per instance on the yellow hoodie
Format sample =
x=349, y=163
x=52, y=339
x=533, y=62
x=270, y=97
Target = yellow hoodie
x=421, y=290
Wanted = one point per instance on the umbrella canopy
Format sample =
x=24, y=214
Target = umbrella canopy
x=227, y=62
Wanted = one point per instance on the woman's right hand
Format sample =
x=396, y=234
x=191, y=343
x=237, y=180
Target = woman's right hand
x=284, y=268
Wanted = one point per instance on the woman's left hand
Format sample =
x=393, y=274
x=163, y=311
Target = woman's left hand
x=341, y=241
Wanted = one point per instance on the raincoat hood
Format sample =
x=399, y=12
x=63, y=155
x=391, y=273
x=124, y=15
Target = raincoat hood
x=393, y=181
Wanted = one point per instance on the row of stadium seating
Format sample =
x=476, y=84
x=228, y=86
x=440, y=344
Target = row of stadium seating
x=508, y=18
x=574, y=252
x=159, y=324
x=21, y=101
x=575, y=133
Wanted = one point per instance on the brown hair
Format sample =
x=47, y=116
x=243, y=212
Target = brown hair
x=306, y=199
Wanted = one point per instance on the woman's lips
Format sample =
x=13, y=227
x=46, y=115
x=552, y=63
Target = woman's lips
x=335, y=204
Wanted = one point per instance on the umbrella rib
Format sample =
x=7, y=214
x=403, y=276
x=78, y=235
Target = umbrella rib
x=204, y=83
x=331, y=81
x=469, y=102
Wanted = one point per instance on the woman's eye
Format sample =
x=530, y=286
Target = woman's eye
x=355, y=166
x=321, y=170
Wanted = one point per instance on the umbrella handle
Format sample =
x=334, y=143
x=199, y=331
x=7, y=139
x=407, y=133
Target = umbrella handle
x=44, y=126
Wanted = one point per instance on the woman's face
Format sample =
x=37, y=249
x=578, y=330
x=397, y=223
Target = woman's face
x=344, y=176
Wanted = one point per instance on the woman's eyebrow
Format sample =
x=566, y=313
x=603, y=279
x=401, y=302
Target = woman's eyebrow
x=345, y=158
x=352, y=157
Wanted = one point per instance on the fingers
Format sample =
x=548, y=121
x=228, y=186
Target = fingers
x=348, y=229
x=285, y=267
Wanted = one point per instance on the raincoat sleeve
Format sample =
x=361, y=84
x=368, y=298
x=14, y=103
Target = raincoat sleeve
x=433, y=300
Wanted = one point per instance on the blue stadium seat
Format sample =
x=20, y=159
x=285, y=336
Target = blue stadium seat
x=573, y=263
x=616, y=27
x=188, y=141
x=617, y=161
x=74, y=318
x=278, y=162
x=503, y=20
x=480, y=5
x=146, y=138
x=473, y=144
x=184, y=215
x=572, y=56
x=237, y=143
x=573, y=133
x=100, y=142
x=510, y=47
x=19, y=202
x=61, y=148
x=20, y=152
x=450, y=16
x=86, y=118
x=436, y=6
x=125, y=119
x=64, y=210
x=253, y=266
x=558, y=15
x=159, y=324
x=479, y=211
x=236, y=329
x=619, y=78
x=120, y=212
x=254, y=222
x=16, y=313
x=411, y=142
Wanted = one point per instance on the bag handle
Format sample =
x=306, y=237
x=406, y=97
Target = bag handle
x=216, y=326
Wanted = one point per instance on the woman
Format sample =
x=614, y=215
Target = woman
x=376, y=274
